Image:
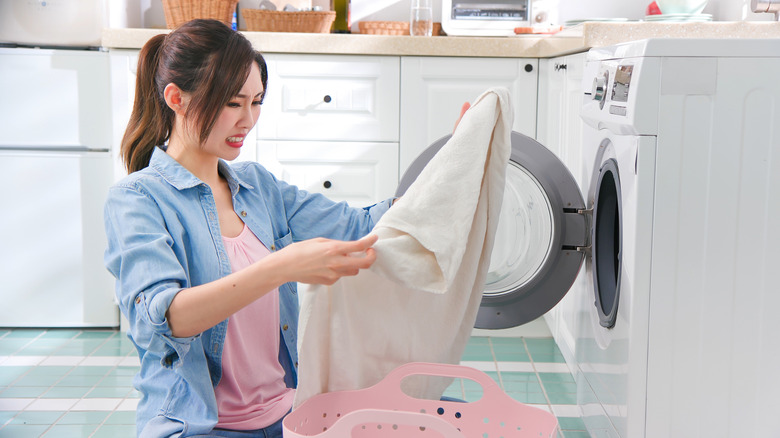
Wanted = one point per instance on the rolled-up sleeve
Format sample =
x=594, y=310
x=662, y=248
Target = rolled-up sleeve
x=148, y=273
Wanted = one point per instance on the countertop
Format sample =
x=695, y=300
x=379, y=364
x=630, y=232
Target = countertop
x=570, y=40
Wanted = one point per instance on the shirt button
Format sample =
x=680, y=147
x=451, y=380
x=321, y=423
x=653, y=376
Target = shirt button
x=168, y=361
x=243, y=213
x=296, y=364
x=273, y=247
x=138, y=300
x=284, y=327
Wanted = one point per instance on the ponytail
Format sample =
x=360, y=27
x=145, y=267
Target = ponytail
x=205, y=59
x=151, y=119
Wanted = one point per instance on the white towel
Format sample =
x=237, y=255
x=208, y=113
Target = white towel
x=419, y=300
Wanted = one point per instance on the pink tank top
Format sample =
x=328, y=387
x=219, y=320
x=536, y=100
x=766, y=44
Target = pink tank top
x=251, y=394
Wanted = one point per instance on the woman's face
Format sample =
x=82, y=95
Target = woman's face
x=236, y=119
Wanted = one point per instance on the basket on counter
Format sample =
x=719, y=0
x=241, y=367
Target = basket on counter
x=384, y=27
x=261, y=20
x=391, y=28
x=178, y=12
x=384, y=410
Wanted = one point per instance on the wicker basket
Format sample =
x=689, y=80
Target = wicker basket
x=384, y=27
x=261, y=20
x=391, y=28
x=178, y=12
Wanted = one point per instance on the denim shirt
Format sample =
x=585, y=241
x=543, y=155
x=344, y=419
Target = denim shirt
x=163, y=236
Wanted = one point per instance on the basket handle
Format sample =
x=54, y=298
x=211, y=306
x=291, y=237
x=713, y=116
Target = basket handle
x=347, y=423
x=393, y=379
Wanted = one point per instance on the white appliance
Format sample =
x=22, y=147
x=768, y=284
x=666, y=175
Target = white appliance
x=484, y=17
x=677, y=333
x=55, y=170
x=76, y=23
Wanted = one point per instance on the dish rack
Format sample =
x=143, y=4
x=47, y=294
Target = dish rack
x=384, y=410
x=262, y=20
x=178, y=12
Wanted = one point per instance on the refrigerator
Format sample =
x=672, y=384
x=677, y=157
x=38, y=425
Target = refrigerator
x=55, y=169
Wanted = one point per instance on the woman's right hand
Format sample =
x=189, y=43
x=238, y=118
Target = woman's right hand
x=324, y=261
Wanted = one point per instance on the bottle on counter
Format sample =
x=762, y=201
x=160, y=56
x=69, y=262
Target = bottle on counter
x=343, y=22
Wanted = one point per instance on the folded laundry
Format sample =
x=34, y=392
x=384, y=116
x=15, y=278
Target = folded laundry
x=419, y=300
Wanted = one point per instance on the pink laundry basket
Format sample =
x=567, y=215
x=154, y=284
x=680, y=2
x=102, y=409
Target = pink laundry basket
x=384, y=410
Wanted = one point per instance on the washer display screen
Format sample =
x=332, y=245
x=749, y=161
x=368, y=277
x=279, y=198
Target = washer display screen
x=525, y=233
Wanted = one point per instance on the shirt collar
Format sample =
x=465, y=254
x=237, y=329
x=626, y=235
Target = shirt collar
x=181, y=178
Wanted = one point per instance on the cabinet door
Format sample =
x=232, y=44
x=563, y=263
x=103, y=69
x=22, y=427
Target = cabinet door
x=359, y=173
x=552, y=101
x=327, y=97
x=434, y=89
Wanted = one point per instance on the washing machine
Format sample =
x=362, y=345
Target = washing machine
x=675, y=223
x=681, y=168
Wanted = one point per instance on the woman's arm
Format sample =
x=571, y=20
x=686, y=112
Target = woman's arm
x=320, y=261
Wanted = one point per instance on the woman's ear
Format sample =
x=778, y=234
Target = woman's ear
x=175, y=98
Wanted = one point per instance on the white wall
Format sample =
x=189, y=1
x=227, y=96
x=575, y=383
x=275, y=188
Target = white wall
x=149, y=13
x=721, y=10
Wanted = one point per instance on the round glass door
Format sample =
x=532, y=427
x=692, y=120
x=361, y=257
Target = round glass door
x=525, y=227
x=535, y=257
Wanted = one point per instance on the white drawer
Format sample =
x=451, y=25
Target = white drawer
x=357, y=172
x=326, y=97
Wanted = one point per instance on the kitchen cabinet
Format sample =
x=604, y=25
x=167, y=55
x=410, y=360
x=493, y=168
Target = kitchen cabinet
x=433, y=89
x=560, y=129
x=560, y=97
x=329, y=124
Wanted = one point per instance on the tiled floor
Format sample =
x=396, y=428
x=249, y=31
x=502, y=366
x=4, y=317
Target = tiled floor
x=74, y=383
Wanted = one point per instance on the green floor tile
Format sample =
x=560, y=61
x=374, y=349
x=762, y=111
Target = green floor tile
x=23, y=391
x=562, y=398
x=124, y=371
x=522, y=386
x=109, y=392
x=50, y=371
x=22, y=431
x=518, y=376
x=24, y=334
x=571, y=423
x=97, y=334
x=76, y=380
x=70, y=431
x=116, y=381
x=66, y=392
x=115, y=431
x=5, y=417
x=42, y=380
x=60, y=334
x=121, y=417
x=11, y=346
x=478, y=340
x=84, y=417
x=36, y=417
x=536, y=398
x=552, y=386
x=91, y=371
x=10, y=373
x=556, y=377
x=515, y=356
x=575, y=434
x=480, y=353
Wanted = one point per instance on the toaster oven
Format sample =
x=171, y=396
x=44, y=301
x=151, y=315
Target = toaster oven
x=484, y=17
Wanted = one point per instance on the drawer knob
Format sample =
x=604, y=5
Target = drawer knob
x=327, y=98
x=327, y=184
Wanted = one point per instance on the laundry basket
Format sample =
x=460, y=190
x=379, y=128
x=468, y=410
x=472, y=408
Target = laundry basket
x=384, y=410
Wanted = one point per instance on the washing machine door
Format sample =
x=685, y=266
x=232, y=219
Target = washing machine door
x=541, y=235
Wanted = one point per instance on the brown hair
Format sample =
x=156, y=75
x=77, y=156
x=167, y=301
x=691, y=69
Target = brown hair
x=204, y=58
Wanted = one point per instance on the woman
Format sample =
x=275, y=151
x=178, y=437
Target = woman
x=203, y=251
